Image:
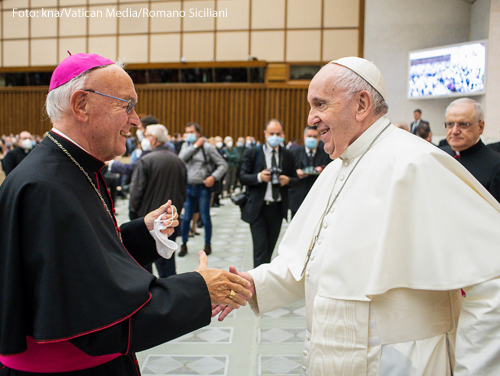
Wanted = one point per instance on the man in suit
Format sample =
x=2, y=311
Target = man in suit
x=310, y=160
x=417, y=115
x=158, y=176
x=267, y=171
x=464, y=126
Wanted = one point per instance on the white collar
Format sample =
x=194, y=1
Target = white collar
x=361, y=143
x=68, y=138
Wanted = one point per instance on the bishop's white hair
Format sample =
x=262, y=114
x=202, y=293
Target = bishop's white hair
x=57, y=102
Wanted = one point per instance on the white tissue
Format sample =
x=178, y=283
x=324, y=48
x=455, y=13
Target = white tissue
x=164, y=246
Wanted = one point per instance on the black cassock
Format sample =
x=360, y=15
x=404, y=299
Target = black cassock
x=483, y=163
x=66, y=276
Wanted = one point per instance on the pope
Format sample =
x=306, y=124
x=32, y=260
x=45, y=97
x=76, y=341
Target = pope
x=382, y=245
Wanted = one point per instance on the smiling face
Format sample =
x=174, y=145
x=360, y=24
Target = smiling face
x=332, y=113
x=108, y=120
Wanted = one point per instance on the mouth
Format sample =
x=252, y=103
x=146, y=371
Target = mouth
x=324, y=131
x=124, y=134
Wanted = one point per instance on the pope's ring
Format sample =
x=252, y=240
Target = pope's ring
x=231, y=294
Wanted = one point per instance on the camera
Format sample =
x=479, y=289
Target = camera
x=275, y=175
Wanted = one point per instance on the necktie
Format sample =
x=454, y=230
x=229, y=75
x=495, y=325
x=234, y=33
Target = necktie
x=309, y=158
x=276, y=188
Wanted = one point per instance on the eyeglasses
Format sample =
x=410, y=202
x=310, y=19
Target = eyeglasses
x=130, y=103
x=460, y=124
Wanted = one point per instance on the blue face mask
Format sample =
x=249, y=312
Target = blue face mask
x=310, y=142
x=274, y=140
x=191, y=137
x=239, y=144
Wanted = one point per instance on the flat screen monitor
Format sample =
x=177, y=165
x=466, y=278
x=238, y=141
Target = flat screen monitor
x=447, y=71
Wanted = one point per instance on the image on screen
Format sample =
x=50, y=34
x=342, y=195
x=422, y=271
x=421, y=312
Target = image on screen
x=447, y=71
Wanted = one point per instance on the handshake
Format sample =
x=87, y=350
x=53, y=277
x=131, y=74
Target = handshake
x=228, y=290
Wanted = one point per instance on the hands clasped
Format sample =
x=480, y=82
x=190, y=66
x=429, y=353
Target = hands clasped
x=225, y=288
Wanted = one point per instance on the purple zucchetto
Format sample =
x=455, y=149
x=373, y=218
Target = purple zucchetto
x=74, y=65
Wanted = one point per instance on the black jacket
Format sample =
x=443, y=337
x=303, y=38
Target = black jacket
x=299, y=192
x=254, y=162
x=13, y=158
x=158, y=176
x=483, y=163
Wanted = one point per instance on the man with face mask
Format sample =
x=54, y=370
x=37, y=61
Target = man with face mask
x=205, y=166
x=16, y=156
x=310, y=160
x=267, y=171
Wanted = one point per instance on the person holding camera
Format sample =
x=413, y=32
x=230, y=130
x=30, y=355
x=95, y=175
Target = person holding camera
x=267, y=171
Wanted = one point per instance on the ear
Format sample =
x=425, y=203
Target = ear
x=481, y=127
x=364, y=104
x=78, y=105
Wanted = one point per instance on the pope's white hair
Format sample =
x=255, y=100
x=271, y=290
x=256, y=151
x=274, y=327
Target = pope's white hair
x=58, y=99
x=349, y=83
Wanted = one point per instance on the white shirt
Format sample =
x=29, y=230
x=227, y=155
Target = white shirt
x=268, y=156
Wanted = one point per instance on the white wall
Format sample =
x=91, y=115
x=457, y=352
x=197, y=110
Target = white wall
x=492, y=109
x=394, y=27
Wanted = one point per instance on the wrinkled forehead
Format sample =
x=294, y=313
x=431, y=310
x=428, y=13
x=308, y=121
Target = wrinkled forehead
x=113, y=78
x=324, y=82
x=462, y=111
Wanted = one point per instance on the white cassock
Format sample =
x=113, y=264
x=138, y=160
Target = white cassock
x=409, y=228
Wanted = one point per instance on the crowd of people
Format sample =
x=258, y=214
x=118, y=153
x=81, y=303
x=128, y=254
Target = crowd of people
x=444, y=78
x=362, y=194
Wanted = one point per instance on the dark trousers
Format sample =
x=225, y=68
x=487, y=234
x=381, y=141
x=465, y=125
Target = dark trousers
x=265, y=233
x=201, y=195
x=166, y=267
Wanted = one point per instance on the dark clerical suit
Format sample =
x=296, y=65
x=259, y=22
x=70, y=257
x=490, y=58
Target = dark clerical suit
x=71, y=293
x=299, y=192
x=265, y=217
x=494, y=146
x=483, y=163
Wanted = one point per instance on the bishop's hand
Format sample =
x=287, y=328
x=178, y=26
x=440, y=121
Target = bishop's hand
x=225, y=288
x=226, y=310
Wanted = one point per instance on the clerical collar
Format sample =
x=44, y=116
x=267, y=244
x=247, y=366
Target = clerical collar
x=477, y=146
x=53, y=130
x=80, y=154
x=361, y=143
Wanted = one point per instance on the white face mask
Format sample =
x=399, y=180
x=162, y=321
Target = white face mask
x=27, y=144
x=219, y=145
x=229, y=144
x=145, y=144
x=140, y=135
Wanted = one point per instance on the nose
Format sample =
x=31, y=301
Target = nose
x=455, y=128
x=133, y=118
x=312, y=119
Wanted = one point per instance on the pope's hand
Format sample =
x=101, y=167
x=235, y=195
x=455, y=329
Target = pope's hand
x=221, y=283
x=226, y=310
x=168, y=214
